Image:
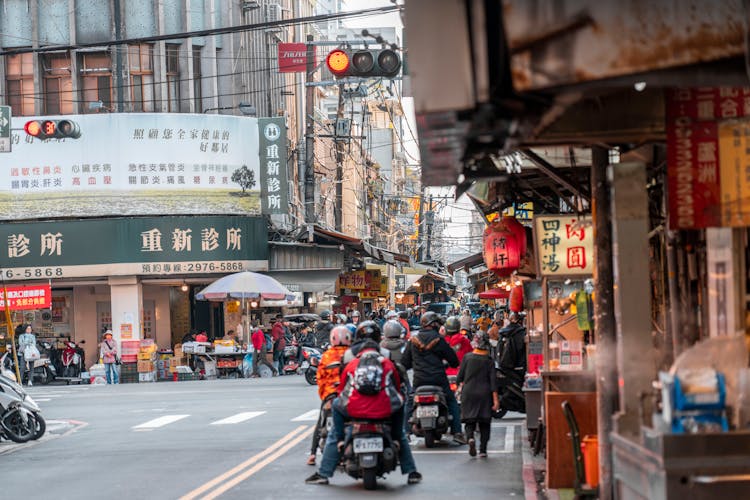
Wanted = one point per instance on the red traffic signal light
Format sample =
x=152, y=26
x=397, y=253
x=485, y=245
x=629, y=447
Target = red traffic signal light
x=364, y=62
x=52, y=129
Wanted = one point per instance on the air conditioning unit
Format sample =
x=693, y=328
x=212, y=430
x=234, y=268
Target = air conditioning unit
x=273, y=13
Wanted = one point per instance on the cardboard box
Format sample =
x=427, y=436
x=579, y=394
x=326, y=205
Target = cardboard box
x=145, y=356
x=145, y=366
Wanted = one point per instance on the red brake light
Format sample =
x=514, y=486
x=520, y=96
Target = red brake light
x=367, y=427
x=426, y=399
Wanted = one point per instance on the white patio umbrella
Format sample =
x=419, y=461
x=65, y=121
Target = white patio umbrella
x=245, y=285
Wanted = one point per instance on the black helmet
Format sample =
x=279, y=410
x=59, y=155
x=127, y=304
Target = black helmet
x=452, y=325
x=325, y=314
x=428, y=319
x=392, y=329
x=368, y=330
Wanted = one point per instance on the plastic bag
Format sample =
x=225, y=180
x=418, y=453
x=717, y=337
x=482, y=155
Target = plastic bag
x=31, y=353
x=247, y=365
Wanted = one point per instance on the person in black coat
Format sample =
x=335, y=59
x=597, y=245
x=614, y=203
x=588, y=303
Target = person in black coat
x=477, y=382
x=511, y=363
x=426, y=353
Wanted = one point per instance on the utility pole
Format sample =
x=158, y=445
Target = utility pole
x=339, y=208
x=310, y=134
x=430, y=221
x=420, y=222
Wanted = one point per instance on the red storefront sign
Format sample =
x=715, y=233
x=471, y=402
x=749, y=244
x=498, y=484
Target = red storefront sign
x=705, y=186
x=27, y=297
x=293, y=58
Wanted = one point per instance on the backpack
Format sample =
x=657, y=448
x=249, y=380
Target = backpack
x=368, y=376
x=269, y=342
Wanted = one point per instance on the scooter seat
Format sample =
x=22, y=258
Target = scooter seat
x=425, y=389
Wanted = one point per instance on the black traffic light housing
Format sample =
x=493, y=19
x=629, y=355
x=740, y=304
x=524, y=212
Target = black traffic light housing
x=53, y=129
x=364, y=62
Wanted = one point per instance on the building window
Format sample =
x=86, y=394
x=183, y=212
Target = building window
x=96, y=80
x=58, y=84
x=197, y=81
x=20, y=79
x=173, y=78
x=140, y=62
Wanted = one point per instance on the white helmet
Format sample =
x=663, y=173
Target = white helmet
x=340, y=335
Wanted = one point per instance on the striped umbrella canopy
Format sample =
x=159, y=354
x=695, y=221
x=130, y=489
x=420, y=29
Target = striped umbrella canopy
x=245, y=285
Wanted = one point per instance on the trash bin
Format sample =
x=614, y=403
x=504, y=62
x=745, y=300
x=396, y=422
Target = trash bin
x=590, y=450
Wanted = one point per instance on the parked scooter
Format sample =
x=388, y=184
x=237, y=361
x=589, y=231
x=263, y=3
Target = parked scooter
x=312, y=355
x=430, y=418
x=369, y=451
x=71, y=361
x=42, y=370
x=20, y=417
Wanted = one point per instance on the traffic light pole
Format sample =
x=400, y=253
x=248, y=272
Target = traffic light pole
x=339, y=209
x=310, y=134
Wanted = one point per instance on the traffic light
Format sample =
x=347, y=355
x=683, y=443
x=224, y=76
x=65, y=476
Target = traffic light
x=364, y=62
x=53, y=129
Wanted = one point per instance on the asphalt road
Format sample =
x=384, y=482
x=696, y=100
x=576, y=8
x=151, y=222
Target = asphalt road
x=225, y=438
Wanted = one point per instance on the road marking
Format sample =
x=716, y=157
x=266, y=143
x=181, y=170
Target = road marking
x=240, y=417
x=159, y=422
x=510, y=434
x=310, y=416
x=454, y=452
x=42, y=400
x=250, y=461
x=281, y=451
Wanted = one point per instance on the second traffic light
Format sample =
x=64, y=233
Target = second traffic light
x=53, y=129
x=364, y=62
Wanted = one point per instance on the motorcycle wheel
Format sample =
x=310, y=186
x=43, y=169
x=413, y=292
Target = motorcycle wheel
x=370, y=479
x=41, y=426
x=16, y=430
x=429, y=439
x=311, y=376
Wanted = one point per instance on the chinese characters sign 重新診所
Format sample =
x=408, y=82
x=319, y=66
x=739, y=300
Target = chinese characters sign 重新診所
x=564, y=245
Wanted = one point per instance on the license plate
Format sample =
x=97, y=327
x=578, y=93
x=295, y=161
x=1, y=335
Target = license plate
x=368, y=445
x=427, y=411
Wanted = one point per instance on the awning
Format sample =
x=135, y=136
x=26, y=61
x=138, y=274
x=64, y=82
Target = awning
x=495, y=293
x=307, y=281
x=466, y=263
x=359, y=246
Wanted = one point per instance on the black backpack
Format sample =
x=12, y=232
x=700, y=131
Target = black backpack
x=368, y=376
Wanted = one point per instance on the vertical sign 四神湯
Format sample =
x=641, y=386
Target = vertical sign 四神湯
x=273, y=156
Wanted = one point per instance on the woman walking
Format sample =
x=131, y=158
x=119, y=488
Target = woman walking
x=476, y=380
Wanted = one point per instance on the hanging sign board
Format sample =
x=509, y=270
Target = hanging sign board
x=27, y=297
x=564, y=245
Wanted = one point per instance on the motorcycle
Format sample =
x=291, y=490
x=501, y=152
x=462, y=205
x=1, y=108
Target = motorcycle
x=369, y=451
x=430, y=418
x=71, y=361
x=312, y=355
x=308, y=366
x=20, y=417
x=40, y=370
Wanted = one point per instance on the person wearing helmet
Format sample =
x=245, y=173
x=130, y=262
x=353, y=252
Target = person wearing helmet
x=368, y=334
x=458, y=342
x=355, y=316
x=323, y=329
x=394, y=334
x=403, y=318
x=342, y=319
x=425, y=354
x=386, y=404
x=329, y=374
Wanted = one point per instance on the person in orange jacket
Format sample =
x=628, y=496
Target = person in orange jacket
x=329, y=375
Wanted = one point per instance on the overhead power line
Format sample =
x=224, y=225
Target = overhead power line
x=207, y=32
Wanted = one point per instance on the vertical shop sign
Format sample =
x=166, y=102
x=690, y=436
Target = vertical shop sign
x=564, y=245
x=400, y=285
x=273, y=155
x=708, y=157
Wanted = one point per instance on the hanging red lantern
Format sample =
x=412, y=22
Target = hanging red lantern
x=504, y=245
x=515, y=302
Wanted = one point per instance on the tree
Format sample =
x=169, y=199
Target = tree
x=244, y=177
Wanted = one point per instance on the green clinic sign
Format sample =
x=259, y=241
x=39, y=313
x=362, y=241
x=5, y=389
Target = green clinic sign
x=160, y=246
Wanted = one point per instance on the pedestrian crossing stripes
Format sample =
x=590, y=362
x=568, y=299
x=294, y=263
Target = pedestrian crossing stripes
x=310, y=416
x=159, y=422
x=239, y=418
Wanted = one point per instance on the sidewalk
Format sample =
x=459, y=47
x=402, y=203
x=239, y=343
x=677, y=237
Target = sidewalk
x=533, y=470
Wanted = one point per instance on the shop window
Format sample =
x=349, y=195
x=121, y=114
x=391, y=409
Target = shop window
x=58, y=84
x=96, y=79
x=140, y=63
x=173, y=78
x=197, y=79
x=19, y=75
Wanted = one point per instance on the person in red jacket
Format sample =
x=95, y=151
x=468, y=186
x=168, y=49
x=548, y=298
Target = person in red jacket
x=386, y=404
x=457, y=341
x=260, y=349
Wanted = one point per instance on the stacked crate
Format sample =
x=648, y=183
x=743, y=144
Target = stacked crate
x=147, y=361
x=129, y=359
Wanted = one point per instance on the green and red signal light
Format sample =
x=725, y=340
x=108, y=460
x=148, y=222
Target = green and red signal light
x=52, y=129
